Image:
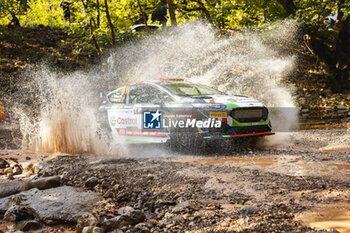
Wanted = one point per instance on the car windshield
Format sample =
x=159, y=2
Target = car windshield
x=190, y=89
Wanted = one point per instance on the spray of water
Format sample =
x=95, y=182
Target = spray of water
x=247, y=63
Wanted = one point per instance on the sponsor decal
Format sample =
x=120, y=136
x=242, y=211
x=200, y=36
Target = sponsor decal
x=217, y=114
x=113, y=120
x=123, y=121
x=154, y=120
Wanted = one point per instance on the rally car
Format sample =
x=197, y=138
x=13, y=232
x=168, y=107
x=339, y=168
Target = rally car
x=172, y=110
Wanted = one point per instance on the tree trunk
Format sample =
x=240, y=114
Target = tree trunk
x=110, y=24
x=143, y=15
x=205, y=11
x=98, y=12
x=288, y=6
x=92, y=29
x=93, y=38
x=172, y=13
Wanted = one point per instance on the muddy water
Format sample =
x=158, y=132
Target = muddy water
x=288, y=165
x=335, y=216
x=339, y=121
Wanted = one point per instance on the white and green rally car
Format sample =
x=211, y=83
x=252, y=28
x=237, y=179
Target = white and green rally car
x=181, y=113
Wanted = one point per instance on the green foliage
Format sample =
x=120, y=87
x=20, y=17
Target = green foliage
x=47, y=13
x=88, y=17
x=10, y=8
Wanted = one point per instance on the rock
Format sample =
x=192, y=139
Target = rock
x=28, y=225
x=249, y=210
x=177, y=219
x=13, y=163
x=46, y=171
x=142, y=227
x=92, y=230
x=4, y=203
x=17, y=170
x=3, y=163
x=126, y=209
x=91, y=182
x=64, y=203
x=11, y=214
x=42, y=183
x=8, y=171
x=192, y=224
x=150, y=177
x=87, y=220
x=28, y=167
x=182, y=206
x=38, y=167
x=10, y=188
x=127, y=219
x=166, y=202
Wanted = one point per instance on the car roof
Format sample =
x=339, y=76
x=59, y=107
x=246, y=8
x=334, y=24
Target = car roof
x=157, y=81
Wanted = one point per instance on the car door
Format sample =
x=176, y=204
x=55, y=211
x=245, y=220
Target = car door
x=120, y=114
x=145, y=98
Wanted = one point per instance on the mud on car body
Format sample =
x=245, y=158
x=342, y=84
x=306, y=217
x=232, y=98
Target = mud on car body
x=170, y=101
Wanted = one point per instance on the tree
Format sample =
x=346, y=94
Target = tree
x=172, y=13
x=143, y=15
x=13, y=8
x=110, y=24
x=160, y=13
x=288, y=6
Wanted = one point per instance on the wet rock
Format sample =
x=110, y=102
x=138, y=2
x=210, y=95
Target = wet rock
x=87, y=220
x=92, y=230
x=127, y=219
x=91, y=182
x=58, y=204
x=28, y=225
x=4, y=203
x=42, y=183
x=10, y=187
x=11, y=214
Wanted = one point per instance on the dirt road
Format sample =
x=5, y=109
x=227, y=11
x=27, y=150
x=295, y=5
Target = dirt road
x=302, y=185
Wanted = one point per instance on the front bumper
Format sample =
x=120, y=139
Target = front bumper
x=246, y=135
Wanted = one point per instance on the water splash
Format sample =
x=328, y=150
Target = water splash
x=247, y=63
